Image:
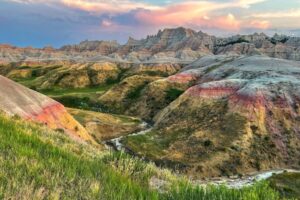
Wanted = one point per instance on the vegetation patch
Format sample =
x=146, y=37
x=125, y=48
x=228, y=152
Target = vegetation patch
x=136, y=92
x=35, y=169
x=172, y=94
x=288, y=184
x=156, y=73
x=112, y=81
x=57, y=91
x=143, y=145
x=84, y=103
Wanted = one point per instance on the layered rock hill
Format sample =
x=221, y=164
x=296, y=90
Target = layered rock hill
x=102, y=47
x=179, y=45
x=242, y=114
x=30, y=105
x=40, y=75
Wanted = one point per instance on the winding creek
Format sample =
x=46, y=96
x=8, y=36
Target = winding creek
x=116, y=142
x=246, y=180
x=232, y=182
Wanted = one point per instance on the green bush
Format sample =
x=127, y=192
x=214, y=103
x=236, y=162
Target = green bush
x=173, y=94
x=84, y=103
x=136, y=92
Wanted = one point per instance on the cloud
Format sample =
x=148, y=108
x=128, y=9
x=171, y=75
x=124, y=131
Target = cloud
x=106, y=7
x=192, y=13
x=106, y=23
x=121, y=6
x=65, y=21
x=248, y=3
x=258, y=24
x=282, y=14
x=200, y=14
x=33, y=1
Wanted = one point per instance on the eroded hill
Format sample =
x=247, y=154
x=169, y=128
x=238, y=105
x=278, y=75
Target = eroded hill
x=33, y=106
x=241, y=115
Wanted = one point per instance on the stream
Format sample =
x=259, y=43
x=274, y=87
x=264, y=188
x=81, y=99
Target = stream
x=116, y=142
x=246, y=180
x=231, y=182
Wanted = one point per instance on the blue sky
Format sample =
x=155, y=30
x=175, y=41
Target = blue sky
x=57, y=22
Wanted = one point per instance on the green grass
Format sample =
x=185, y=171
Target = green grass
x=67, y=91
x=28, y=82
x=288, y=184
x=136, y=92
x=33, y=168
x=58, y=91
x=84, y=102
x=155, y=73
x=127, y=119
x=258, y=191
x=146, y=146
x=81, y=98
x=36, y=163
x=172, y=94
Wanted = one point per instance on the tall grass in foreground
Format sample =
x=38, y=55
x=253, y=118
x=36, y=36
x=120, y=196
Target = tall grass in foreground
x=259, y=191
x=32, y=168
x=39, y=164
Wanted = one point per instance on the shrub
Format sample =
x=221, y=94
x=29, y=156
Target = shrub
x=136, y=92
x=173, y=94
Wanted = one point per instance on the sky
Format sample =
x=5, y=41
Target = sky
x=41, y=23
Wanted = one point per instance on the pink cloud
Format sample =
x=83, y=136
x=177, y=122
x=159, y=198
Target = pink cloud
x=104, y=6
x=106, y=23
x=259, y=24
x=201, y=14
x=191, y=13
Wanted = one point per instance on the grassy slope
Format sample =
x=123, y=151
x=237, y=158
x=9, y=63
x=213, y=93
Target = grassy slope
x=40, y=164
x=288, y=184
x=104, y=126
x=39, y=167
x=83, y=98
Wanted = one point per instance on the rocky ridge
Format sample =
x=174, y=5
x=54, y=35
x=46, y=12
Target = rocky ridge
x=179, y=45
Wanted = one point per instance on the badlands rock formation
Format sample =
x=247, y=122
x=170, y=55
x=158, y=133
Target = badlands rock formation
x=30, y=105
x=241, y=115
x=177, y=45
x=72, y=74
x=124, y=95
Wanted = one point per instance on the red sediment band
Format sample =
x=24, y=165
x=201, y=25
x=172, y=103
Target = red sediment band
x=259, y=100
x=182, y=78
x=248, y=100
x=49, y=115
x=212, y=92
x=282, y=102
